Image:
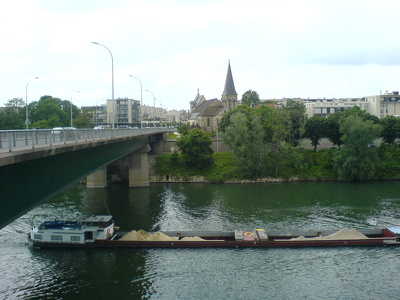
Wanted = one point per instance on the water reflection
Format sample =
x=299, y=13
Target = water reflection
x=354, y=273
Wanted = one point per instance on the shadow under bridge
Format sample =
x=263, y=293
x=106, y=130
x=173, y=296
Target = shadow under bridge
x=34, y=178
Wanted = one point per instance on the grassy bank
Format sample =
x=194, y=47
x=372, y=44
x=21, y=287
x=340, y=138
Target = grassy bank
x=313, y=166
x=223, y=168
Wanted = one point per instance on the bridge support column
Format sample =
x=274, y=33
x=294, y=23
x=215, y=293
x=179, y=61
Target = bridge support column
x=139, y=168
x=98, y=179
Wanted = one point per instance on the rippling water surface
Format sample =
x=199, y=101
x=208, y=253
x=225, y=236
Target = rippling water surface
x=283, y=273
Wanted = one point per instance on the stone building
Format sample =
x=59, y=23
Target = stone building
x=208, y=113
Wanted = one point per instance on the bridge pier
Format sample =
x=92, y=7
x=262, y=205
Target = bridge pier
x=139, y=168
x=98, y=179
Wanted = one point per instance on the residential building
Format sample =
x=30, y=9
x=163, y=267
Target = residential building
x=386, y=104
x=127, y=112
x=326, y=107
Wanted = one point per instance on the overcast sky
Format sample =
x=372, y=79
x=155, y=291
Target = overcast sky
x=293, y=48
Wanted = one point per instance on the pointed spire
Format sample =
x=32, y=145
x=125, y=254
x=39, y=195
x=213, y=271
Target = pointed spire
x=229, y=85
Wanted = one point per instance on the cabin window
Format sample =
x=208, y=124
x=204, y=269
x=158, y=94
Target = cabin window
x=88, y=235
x=37, y=236
x=75, y=238
x=56, y=237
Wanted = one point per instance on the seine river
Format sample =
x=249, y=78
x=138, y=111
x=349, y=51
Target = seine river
x=281, y=273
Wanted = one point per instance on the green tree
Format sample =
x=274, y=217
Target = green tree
x=333, y=128
x=355, y=161
x=245, y=137
x=65, y=105
x=315, y=130
x=183, y=128
x=84, y=119
x=333, y=132
x=196, y=150
x=281, y=133
x=296, y=122
x=48, y=113
x=226, y=119
x=251, y=98
x=14, y=114
x=391, y=129
x=356, y=110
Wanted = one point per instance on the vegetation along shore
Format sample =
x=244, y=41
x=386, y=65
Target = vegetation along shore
x=265, y=143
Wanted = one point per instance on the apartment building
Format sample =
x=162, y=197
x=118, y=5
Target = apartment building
x=326, y=107
x=386, y=104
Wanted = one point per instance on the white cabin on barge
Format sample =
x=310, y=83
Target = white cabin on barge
x=95, y=227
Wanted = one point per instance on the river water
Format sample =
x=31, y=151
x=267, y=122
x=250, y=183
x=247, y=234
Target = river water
x=281, y=273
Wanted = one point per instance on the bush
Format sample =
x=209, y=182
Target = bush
x=196, y=150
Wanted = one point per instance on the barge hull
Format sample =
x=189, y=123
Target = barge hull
x=223, y=244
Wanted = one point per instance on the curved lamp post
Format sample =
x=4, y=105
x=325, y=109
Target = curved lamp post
x=154, y=98
x=112, y=84
x=26, y=99
x=71, y=108
x=141, y=109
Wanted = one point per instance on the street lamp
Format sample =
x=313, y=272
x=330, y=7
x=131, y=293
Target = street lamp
x=154, y=98
x=141, y=109
x=71, y=107
x=26, y=94
x=161, y=113
x=112, y=83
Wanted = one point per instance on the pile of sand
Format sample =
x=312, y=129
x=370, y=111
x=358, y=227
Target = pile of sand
x=142, y=235
x=344, y=234
x=191, y=239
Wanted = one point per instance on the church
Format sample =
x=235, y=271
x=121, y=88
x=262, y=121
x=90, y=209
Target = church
x=207, y=113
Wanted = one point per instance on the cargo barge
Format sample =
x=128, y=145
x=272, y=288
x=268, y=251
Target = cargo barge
x=99, y=231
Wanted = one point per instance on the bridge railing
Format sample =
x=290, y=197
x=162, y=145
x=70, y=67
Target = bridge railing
x=12, y=140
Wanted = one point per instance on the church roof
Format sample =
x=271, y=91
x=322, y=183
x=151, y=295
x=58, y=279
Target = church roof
x=229, y=85
x=199, y=98
x=207, y=108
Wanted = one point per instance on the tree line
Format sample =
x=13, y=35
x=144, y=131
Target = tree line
x=265, y=138
x=46, y=113
x=266, y=142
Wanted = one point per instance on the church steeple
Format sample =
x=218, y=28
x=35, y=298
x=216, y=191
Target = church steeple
x=229, y=85
x=229, y=95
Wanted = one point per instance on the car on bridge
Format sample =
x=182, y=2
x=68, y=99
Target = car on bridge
x=68, y=132
x=56, y=130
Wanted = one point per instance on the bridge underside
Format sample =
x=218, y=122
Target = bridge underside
x=26, y=184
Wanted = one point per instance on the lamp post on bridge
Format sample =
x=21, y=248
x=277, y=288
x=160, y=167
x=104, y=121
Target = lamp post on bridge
x=26, y=99
x=71, y=108
x=112, y=84
x=141, y=102
x=154, y=99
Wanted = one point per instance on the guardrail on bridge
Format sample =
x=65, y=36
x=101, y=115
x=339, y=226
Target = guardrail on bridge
x=11, y=140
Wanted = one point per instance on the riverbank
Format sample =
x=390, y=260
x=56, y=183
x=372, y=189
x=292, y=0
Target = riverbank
x=312, y=166
x=203, y=179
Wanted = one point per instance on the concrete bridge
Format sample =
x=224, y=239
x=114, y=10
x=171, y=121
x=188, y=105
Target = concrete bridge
x=36, y=165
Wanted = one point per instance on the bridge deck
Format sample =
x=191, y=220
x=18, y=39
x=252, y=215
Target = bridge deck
x=31, y=176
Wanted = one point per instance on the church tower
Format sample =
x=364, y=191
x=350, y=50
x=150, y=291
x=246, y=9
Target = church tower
x=229, y=95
